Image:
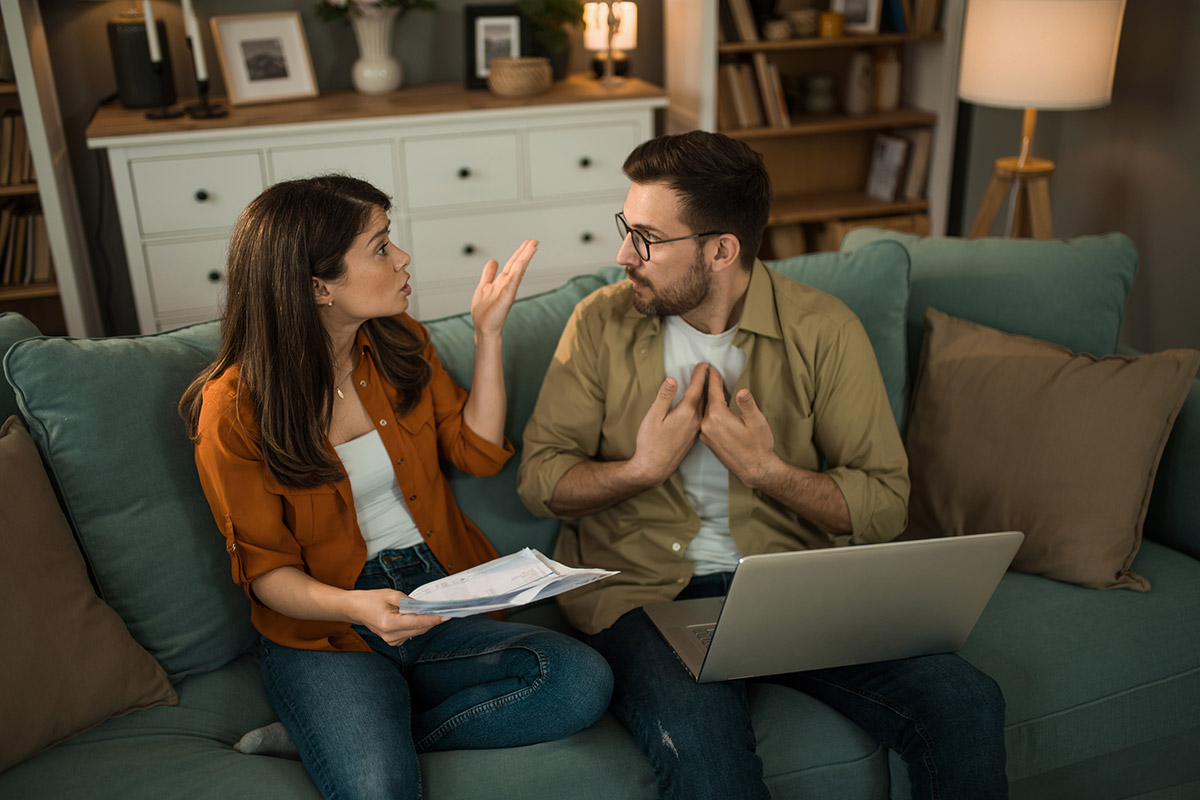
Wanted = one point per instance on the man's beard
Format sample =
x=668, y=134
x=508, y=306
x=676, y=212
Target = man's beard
x=672, y=301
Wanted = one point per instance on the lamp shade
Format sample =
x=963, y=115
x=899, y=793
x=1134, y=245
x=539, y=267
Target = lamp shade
x=595, y=26
x=1042, y=54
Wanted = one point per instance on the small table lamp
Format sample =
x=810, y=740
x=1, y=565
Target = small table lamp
x=610, y=28
x=1035, y=54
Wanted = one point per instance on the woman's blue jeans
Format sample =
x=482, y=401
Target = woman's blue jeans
x=944, y=717
x=359, y=719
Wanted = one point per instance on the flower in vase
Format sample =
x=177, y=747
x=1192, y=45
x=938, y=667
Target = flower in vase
x=330, y=10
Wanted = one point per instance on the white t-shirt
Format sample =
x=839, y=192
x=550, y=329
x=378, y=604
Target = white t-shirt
x=383, y=518
x=705, y=479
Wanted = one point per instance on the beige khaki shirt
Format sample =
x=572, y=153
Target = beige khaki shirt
x=813, y=374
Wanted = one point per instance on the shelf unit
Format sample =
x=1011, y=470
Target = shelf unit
x=67, y=305
x=819, y=163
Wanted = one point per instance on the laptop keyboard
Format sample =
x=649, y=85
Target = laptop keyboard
x=703, y=633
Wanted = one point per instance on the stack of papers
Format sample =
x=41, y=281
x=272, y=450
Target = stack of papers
x=505, y=582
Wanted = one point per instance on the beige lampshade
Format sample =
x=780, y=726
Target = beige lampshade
x=595, y=26
x=1042, y=54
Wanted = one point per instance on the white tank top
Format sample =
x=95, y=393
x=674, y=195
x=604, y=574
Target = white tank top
x=383, y=518
x=705, y=479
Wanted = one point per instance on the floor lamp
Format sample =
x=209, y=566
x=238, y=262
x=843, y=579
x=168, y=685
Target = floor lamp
x=1036, y=55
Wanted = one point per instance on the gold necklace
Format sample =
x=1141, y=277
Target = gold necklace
x=337, y=387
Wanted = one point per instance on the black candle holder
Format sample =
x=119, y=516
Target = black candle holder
x=203, y=109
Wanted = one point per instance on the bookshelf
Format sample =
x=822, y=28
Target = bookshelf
x=52, y=283
x=819, y=162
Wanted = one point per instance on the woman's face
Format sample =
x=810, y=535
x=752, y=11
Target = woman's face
x=375, y=283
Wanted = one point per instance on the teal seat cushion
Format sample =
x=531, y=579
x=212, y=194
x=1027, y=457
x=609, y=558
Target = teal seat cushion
x=186, y=752
x=13, y=328
x=1173, y=517
x=183, y=752
x=103, y=414
x=873, y=282
x=1087, y=672
x=1069, y=291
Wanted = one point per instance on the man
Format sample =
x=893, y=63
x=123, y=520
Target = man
x=709, y=408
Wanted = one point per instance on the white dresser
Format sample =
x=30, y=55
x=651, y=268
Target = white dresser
x=471, y=176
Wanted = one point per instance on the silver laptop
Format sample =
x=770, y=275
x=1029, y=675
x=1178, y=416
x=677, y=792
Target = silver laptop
x=789, y=612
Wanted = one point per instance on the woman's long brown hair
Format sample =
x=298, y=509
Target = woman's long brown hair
x=292, y=232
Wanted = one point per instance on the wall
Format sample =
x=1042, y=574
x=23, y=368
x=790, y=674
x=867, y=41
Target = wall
x=429, y=44
x=1133, y=166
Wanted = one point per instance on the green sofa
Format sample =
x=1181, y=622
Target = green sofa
x=1103, y=687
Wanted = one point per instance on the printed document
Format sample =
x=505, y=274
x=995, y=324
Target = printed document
x=505, y=582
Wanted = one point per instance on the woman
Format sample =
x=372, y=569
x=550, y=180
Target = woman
x=318, y=431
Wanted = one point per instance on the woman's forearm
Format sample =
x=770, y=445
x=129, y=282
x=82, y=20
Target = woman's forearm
x=488, y=402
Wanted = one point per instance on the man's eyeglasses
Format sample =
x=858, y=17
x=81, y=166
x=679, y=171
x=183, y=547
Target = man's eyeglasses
x=641, y=244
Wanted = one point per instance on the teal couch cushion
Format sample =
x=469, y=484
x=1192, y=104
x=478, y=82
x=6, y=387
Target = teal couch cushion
x=873, y=281
x=1086, y=672
x=1173, y=517
x=102, y=412
x=1069, y=291
x=13, y=328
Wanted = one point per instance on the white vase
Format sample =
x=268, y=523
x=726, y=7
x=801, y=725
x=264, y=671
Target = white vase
x=375, y=71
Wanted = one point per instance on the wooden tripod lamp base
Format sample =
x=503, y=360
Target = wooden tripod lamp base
x=1031, y=203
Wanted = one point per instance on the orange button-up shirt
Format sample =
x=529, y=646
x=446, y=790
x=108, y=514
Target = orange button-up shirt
x=267, y=525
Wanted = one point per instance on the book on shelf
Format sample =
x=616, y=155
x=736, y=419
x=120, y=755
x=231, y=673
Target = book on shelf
x=43, y=267
x=727, y=116
x=7, y=122
x=749, y=93
x=743, y=20
x=897, y=16
x=920, y=147
x=787, y=240
x=6, y=249
x=925, y=15
x=779, y=96
x=888, y=157
x=20, y=146
x=766, y=91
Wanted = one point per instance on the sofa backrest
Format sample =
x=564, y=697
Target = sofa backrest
x=102, y=412
x=1068, y=291
x=13, y=328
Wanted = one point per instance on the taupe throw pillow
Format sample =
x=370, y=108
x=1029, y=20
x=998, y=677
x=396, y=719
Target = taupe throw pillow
x=68, y=663
x=1013, y=433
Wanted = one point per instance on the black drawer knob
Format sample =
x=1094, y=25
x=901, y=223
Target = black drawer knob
x=468, y=250
x=201, y=195
x=214, y=277
x=585, y=162
x=464, y=173
x=587, y=236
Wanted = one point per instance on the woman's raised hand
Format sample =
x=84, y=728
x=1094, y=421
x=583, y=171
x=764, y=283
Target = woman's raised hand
x=497, y=289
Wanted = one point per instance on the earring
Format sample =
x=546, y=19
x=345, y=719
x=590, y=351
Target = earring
x=330, y=303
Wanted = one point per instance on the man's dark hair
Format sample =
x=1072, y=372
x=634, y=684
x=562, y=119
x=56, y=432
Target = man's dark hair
x=721, y=182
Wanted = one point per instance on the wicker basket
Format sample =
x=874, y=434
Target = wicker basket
x=518, y=77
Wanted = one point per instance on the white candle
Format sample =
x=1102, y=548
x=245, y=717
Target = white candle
x=192, y=28
x=151, y=33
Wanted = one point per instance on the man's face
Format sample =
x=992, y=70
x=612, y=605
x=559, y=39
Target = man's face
x=677, y=277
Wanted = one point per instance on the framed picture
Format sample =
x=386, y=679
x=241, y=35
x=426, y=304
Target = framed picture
x=862, y=16
x=264, y=57
x=493, y=31
x=888, y=158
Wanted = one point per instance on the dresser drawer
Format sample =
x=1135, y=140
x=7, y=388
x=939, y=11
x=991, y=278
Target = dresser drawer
x=580, y=160
x=195, y=193
x=461, y=170
x=187, y=275
x=368, y=161
x=449, y=252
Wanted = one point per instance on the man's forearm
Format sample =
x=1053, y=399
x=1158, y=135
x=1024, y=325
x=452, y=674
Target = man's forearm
x=592, y=486
x=812, y=495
